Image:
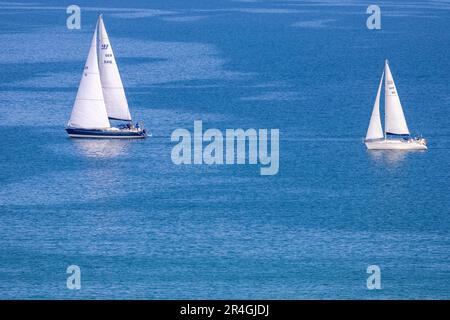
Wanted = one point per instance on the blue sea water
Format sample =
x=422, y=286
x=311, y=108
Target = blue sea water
x=141, y=227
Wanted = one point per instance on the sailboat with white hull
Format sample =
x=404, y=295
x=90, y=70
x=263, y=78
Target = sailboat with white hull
x=395, y=123
x=101, y=97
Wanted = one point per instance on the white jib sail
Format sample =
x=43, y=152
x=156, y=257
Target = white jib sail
x=375, y=130
x=113, y=92
x=395, y=121
x=89, y=110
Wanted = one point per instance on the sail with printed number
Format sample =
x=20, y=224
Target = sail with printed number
x=113, y=92
x=395, y=122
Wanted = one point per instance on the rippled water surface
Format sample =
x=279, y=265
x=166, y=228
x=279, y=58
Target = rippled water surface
x=141, y=227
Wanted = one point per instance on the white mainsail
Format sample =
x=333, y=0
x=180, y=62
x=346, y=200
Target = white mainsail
x=395, y=121
x=89, y=110
x=375, y=130
x=113, y=92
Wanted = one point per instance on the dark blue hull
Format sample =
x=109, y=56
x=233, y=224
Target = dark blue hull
x=106, y=134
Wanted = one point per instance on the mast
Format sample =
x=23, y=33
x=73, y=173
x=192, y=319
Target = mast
x=385, y=133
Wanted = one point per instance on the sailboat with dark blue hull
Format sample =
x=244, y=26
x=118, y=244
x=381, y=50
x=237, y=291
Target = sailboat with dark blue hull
x=101, y=96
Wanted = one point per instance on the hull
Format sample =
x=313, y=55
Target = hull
x=106, y=133
x=411, y=144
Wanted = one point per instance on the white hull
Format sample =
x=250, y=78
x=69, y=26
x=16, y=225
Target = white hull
x=391, y=144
